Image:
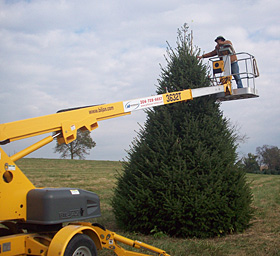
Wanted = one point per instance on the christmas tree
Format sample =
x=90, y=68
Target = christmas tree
x=180, y=176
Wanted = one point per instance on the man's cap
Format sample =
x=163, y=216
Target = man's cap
x=220, y=38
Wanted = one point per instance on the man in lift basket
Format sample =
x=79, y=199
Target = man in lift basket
x=221, y=41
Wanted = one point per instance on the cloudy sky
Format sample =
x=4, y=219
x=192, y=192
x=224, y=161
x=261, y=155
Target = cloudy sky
x=60, y=54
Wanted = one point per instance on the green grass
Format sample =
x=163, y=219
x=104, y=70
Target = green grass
x=262, y=238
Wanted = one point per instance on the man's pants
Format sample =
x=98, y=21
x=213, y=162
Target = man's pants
x=235, y=73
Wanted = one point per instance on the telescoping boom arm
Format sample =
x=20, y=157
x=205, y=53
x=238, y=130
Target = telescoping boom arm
x=69, y=121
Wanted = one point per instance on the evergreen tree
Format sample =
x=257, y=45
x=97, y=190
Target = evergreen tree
x=181, y=177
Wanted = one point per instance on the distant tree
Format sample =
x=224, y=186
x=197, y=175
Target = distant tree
x=78, y=148
x=181, y=178
x=250, y=163
x=270, y=156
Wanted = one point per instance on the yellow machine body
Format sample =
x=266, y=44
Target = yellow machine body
x=14, y=186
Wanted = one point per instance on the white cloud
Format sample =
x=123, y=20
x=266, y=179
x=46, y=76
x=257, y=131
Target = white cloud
x=61, y=54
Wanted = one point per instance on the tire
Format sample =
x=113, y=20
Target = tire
x=80, y=245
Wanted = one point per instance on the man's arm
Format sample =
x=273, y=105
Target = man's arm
x=208, y=55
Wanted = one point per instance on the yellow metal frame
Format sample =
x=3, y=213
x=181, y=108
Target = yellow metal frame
x=25, y=244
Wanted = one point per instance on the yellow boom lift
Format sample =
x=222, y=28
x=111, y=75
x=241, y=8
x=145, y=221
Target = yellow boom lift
x=48, y=221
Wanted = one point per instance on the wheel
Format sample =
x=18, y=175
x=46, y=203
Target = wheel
x=80, y=245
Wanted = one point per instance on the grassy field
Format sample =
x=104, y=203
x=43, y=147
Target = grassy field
x=262, y=238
